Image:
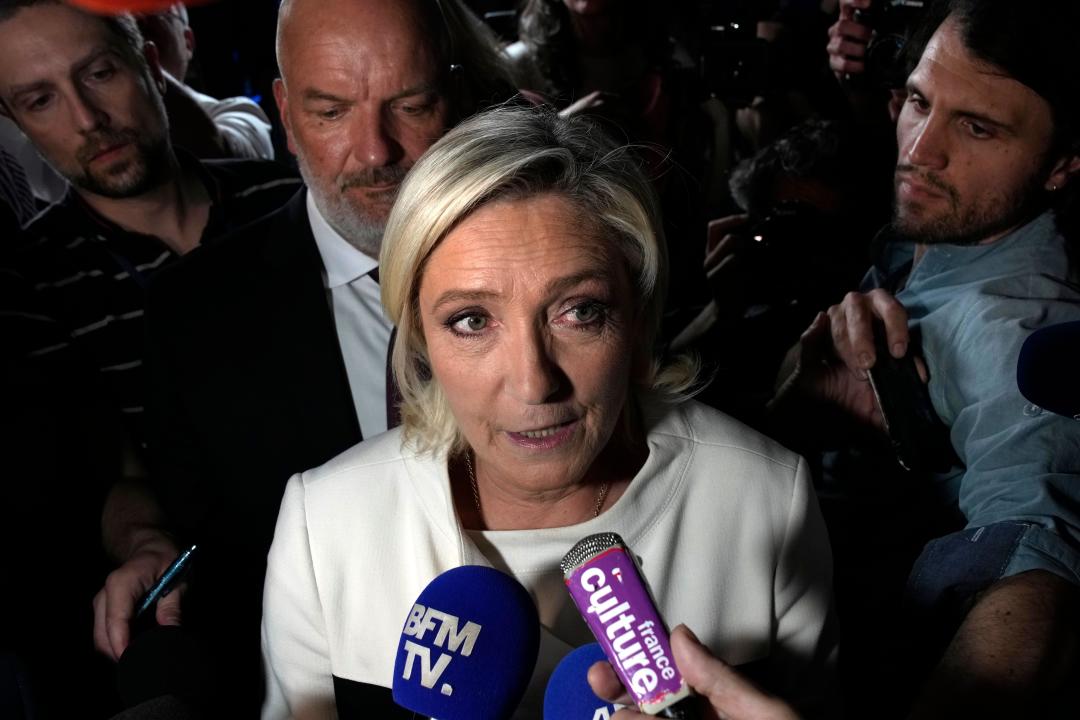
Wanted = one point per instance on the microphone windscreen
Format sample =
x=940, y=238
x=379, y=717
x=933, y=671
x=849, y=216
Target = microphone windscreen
x=1048, y=369
x=568, y=695
x=468, y=647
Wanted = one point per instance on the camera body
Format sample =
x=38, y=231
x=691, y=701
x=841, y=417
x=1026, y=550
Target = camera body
x=734, y=62
x=892, y=22
x=917, y=435
x=779, y=251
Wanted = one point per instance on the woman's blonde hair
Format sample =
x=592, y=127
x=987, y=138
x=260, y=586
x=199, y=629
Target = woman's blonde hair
x=513, y=153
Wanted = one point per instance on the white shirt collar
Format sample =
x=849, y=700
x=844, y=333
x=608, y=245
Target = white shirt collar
x=343, y=262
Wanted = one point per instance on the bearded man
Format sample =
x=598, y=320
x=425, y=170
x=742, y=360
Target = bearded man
x=976, y=260
x=267, y=353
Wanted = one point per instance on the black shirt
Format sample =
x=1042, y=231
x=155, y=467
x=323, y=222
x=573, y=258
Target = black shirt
x=89, y=275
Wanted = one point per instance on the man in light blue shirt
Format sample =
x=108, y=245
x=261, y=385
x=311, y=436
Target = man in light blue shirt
x=987, y=151
x=973, y=306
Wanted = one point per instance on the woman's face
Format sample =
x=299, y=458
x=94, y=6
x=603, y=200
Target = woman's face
x=530, y=325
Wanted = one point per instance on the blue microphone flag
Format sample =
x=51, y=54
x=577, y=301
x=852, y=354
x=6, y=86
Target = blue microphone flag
x=468, y=646
x=568, y=695
x=1046, y=370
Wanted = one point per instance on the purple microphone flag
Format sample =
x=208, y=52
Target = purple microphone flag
x=610, y=594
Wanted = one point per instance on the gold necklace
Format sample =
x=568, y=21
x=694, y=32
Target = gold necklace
x=601, y=495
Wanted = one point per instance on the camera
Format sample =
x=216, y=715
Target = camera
x=734, y=63
x=780, y=253
x=892, y=21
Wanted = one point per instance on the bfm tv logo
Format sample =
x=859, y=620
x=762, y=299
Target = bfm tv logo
x=421, y=620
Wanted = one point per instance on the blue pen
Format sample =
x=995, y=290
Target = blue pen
x=169, y=578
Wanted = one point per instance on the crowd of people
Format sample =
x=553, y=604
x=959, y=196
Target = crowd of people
x=744, y=282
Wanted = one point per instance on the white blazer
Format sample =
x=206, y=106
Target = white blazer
x=723, y=520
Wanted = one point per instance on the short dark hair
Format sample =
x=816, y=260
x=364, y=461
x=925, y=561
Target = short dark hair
x=812, y=149
x=8, y=8
x=1033, y=42
x=471, y=49
x=545, y=29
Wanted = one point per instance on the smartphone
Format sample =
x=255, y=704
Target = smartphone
x=918, y=437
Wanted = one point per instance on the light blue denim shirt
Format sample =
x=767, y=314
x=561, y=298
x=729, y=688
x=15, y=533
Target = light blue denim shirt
x=973, y=307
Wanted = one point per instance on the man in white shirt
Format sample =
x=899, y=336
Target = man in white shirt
x=206, y=126
x=267, y=352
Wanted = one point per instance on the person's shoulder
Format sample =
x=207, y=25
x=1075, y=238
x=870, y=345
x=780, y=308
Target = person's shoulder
x=233, y=103
x=53, y=222
x=712, y=433
x=253, y=187
x=227, y=258
x=284, y=219
x=46, y=242
x=373, y=473
x=1022, y=263
x=244, y=175
x=1027, y=283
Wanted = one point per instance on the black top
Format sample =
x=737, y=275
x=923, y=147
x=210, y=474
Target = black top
x=90, y=275
x=247, y=386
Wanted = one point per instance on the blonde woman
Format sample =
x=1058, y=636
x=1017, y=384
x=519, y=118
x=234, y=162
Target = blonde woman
x=524, y=267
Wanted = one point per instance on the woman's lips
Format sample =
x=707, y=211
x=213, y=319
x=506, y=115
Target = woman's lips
x=544, y=438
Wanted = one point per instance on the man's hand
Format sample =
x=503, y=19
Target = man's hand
x=851, y=324
x=847, y=41
x=721, y=241
x=729, y=695
x=115, y=604
x=722, y=262
x=837, y=350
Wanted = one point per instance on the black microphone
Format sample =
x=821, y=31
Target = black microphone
x=1048, y=370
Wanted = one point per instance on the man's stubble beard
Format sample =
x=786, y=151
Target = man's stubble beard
x=147, y=170
x=971, y=225
x=356, y=225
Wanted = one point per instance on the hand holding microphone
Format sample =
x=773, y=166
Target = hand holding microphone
x=604, y=581
x=662, y=672
x=729, y=695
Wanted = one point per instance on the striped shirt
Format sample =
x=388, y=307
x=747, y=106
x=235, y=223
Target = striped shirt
x=89, y=276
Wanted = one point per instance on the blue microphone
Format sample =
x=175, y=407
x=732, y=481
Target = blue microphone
x=468, y=647
x=1046, y=370
x=568, y=695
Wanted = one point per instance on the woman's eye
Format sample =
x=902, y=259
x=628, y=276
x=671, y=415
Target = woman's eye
x=468, y=324
x=586, y=313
